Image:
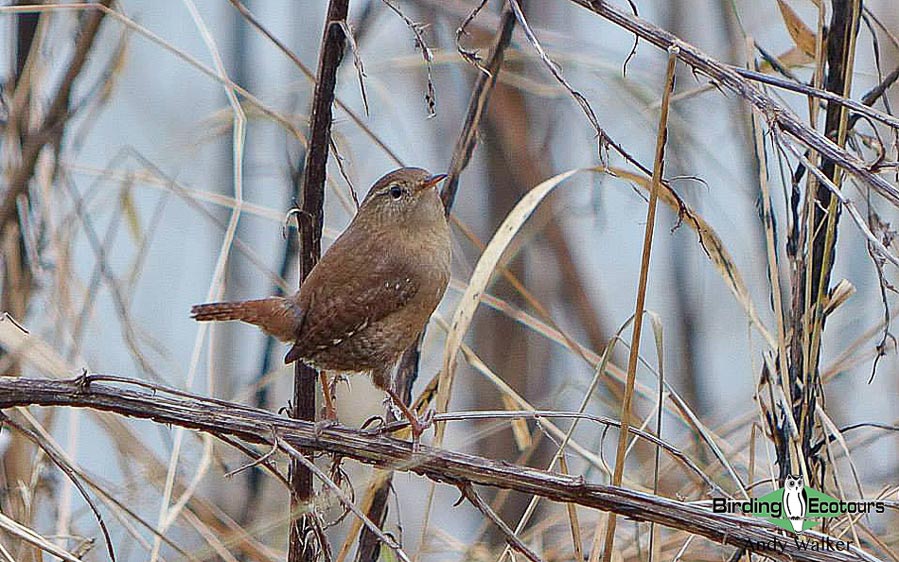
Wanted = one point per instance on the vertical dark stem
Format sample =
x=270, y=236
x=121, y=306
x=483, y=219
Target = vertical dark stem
x=480, y=96
x=842, y=26
x=26, y=27
x=816, y=268
x=310, y=235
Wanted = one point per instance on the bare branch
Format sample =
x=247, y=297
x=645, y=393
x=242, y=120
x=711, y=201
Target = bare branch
x=222, y=418
x=480, y=95
x=472, y=495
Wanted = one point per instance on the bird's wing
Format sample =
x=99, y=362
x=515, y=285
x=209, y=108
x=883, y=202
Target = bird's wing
x=368, y=285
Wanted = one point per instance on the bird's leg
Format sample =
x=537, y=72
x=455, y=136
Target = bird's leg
x=418, y=425
x=328, y=395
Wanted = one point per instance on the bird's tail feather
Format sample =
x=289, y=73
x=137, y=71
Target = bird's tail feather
x=277, y=316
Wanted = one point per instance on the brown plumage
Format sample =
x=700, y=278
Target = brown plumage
x=372, y=292
x=276, y=316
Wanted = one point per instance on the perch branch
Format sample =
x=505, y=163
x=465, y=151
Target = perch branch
x=221, y=418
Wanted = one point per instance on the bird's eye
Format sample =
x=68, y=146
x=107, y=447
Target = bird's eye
x=396, y=191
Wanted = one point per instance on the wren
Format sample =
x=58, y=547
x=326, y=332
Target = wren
x=371, y=294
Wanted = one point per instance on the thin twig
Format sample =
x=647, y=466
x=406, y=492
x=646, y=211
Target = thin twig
x=347, y=502
x=861, y=108
x=360, y=75
x=729, y=79
x=426, y=53
x=556, y=71
x=248, y=15
x=480, y=97
x=64, y=466
x=469, y=55
x=476, y=500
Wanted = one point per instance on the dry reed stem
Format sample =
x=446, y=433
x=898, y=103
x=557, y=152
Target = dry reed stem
x=657, y=171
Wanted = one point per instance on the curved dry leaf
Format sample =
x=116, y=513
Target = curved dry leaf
x=483, y=272
x=802, y=36
x=790, y=59
x=489, y=260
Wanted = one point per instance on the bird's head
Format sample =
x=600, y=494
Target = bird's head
x=404, y=198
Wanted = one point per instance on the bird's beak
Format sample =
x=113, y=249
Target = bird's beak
x=432, y=181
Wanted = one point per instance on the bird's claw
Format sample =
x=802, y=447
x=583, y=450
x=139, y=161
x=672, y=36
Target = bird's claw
x=419, y=425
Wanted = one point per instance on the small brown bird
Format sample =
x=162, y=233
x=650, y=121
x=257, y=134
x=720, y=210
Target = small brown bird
x=372, y=293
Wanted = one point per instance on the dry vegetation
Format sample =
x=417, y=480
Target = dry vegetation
x=561, y=433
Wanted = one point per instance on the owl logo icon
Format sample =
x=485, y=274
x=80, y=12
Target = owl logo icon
x=795, y=502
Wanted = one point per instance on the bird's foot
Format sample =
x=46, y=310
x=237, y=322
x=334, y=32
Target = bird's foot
x=328, y=413
x=393, y=410
x=419, y=425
